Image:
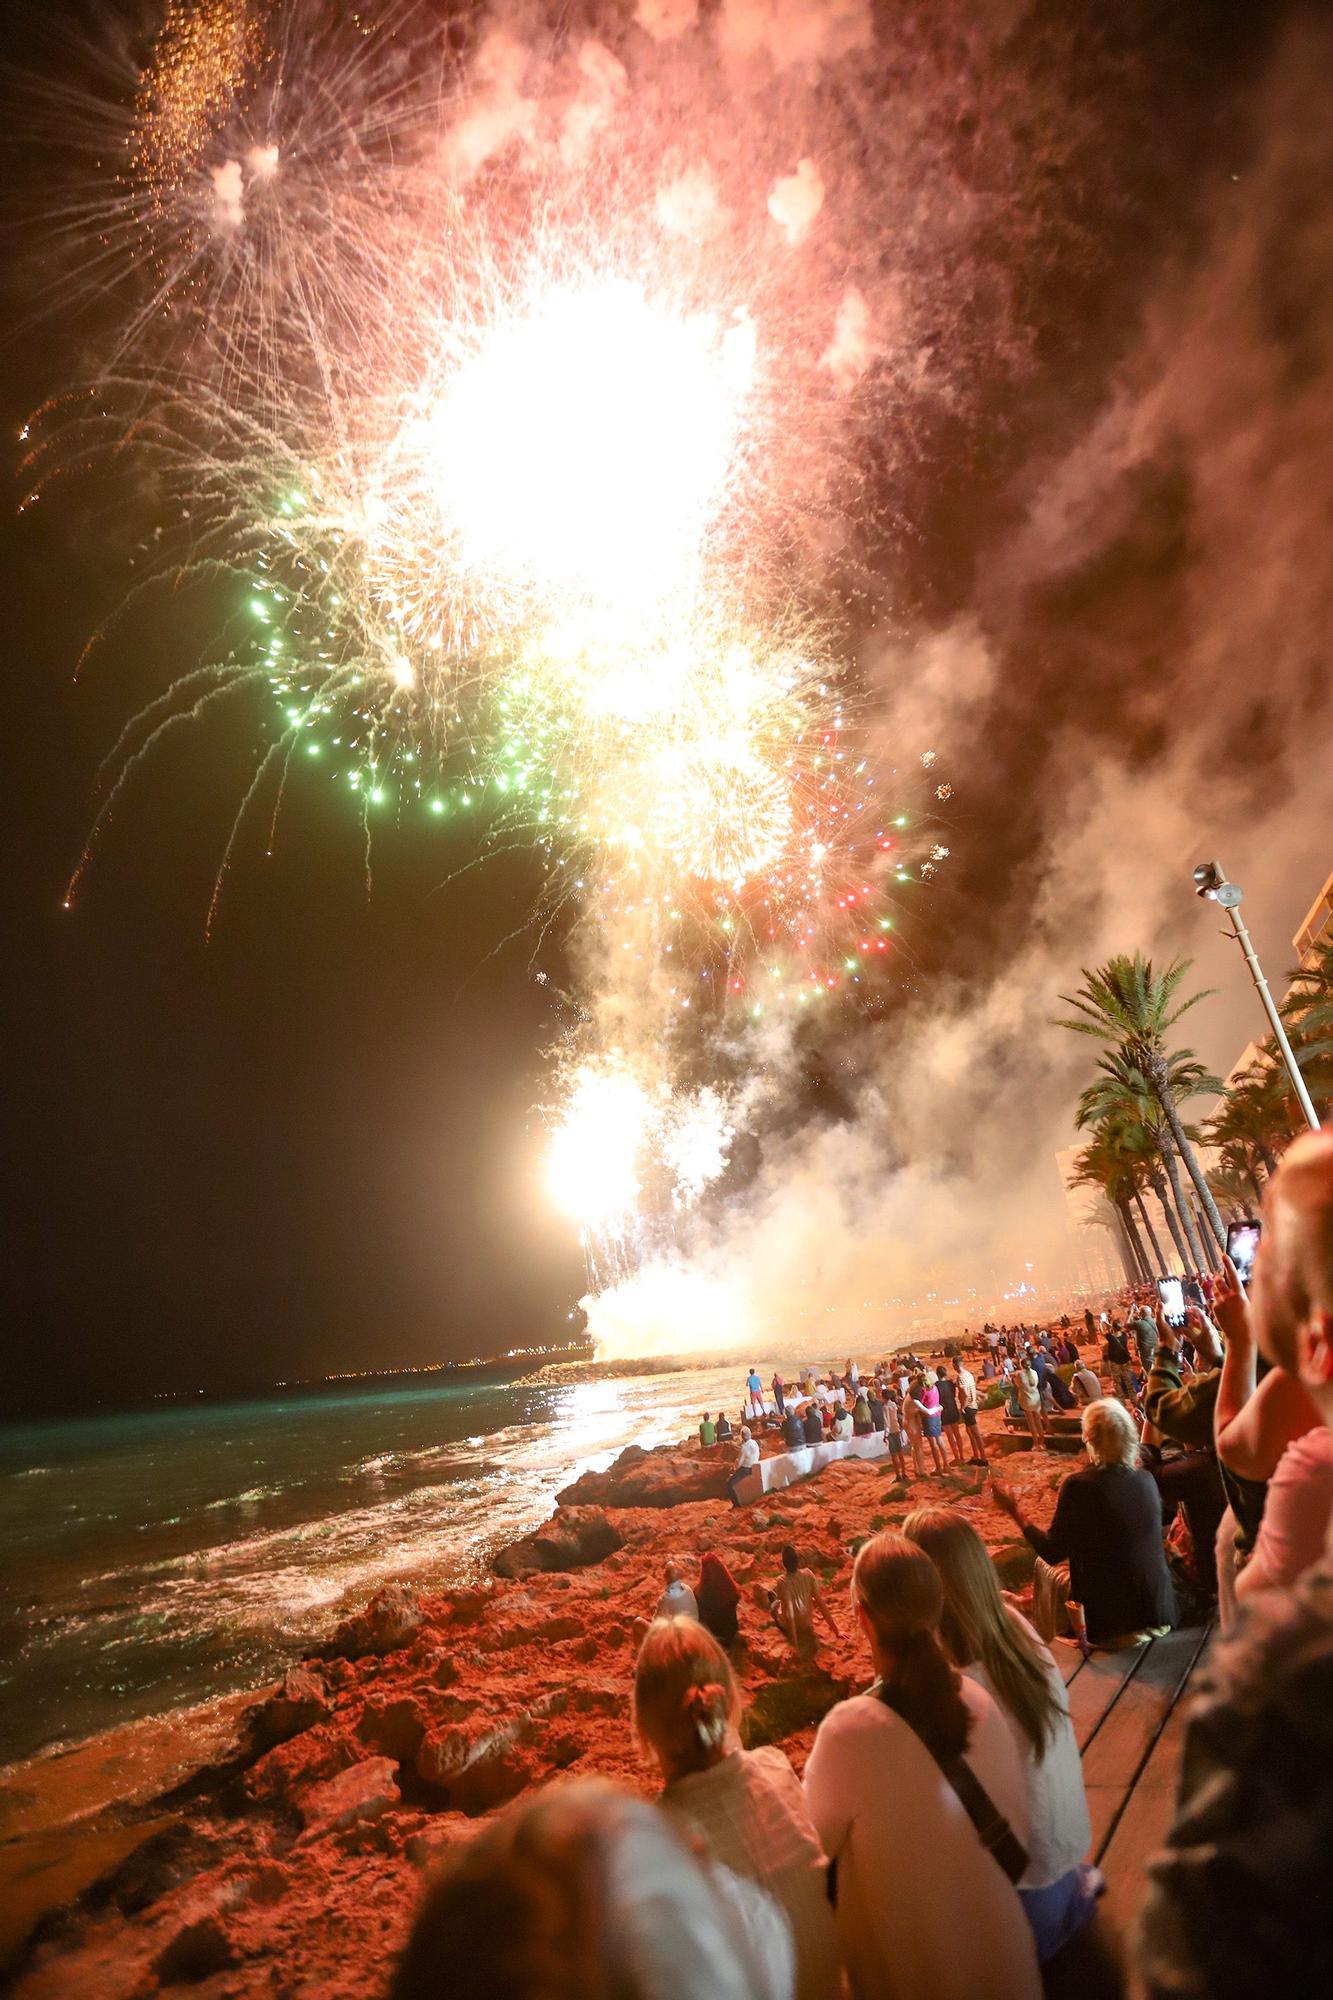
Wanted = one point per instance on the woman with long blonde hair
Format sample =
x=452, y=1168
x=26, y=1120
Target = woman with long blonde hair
x=918, y=1794
x=995, y=1646
x=746, y=1805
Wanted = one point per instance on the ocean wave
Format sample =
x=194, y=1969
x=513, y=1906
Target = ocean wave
x=249, y=1498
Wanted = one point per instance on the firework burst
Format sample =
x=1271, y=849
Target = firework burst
x=523, y=441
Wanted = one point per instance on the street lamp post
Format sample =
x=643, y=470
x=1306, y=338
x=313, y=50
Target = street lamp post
x=1210, y=881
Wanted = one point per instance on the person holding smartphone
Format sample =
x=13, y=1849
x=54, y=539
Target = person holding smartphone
x=1238, y=1897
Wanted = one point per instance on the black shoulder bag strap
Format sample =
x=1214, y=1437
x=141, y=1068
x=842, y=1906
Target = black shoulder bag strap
x=995, y=1833
x=997, y=1836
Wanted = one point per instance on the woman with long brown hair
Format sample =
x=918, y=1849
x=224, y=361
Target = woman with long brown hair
x=918, y=1794
x=994, y=1645
x=746, y=1805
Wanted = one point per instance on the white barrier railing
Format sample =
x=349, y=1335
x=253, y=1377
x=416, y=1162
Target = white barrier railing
x=784, y=1468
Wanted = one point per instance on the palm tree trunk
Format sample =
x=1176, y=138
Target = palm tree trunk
x=1132, y=1235
x=1205, y=1237
x=1196, y=1259
x=1122, y=1244
x=1149, y=1231
x=1160, y=1189
x=1186, y=1152
x=1254, y=1183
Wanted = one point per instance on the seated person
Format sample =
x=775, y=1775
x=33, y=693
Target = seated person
x=747, y=1458
x=813, y=1424
x=926, y=1908
x=677, y=1600
x=724, y=1431
x=1108, y=1525
x=718, y=1595
x=793, y=1430
x=707, y=1431
x=792, y=1606
x=746, y=1807
x=862, y=1422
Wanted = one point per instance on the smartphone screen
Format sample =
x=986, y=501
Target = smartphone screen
x=1242, y=1242
x=1172, y=1294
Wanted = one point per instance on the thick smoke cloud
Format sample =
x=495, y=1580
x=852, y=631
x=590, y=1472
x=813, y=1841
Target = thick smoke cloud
x=1132, y=676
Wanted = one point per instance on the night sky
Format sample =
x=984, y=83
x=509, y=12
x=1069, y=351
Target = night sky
x=309, y=1144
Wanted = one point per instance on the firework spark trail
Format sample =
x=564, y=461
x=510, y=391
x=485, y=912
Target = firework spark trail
x=527, y=438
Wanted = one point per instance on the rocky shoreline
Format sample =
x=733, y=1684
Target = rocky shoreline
x=290, y=1863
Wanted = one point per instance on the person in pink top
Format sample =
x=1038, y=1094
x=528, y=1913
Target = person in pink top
x=926, y=1909
x=1298, y=1512
x=932, y=1420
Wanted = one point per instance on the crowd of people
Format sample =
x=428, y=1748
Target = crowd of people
x=926, y=1413
x=937, y=1842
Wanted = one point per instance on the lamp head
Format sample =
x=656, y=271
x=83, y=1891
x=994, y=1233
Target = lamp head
x=1210, y=881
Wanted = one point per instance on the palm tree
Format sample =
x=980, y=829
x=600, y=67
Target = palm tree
x=1259, y=1112
x=1308, y=1007
x=1234, y=1186
x=1129, y=1002
x=1121, y=1130
x=1103, y=1165
x=1123, y=1093
x=1238, y=1164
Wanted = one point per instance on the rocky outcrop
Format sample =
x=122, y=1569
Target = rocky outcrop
x=389, y=1621
x=363, y=1791
x=574, y=1538
x=298, y=1704
x=651, y=1479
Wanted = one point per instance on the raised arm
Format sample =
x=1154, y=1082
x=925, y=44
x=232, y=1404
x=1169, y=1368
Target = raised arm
x=1051, y=1544
x=1278, y=1412
x=1253, y=1426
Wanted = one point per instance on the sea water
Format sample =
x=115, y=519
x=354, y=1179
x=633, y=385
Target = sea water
x=151, y=1561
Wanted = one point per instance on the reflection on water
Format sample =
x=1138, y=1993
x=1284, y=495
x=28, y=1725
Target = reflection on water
x=155, y=1560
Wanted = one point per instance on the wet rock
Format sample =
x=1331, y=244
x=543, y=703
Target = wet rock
x=574, y=1538
x=393, y=1728
x=362, y=1791
x=300, y=1702
x=650, y=1479
x=392, y=1618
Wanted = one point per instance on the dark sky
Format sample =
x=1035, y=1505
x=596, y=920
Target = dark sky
x=309, y=1144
